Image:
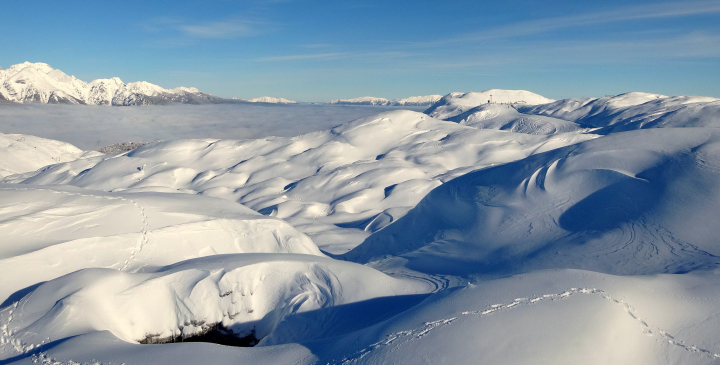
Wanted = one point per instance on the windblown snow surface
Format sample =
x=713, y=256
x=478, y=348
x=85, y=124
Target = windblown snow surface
x=523, y=230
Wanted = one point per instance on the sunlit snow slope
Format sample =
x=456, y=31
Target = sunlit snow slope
x=336, y=185
x=515, y=231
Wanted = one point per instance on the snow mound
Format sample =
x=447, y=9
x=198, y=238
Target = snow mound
x=347, y=181
x=271, y=100
x=38, y=82
x=457, y=103
x=22, y=153
x=506, y=117
x=634, y=111
x=638, y=202
x=249, y=294
x=64, y=229
x=548, y=317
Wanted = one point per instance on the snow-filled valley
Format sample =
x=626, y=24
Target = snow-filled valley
x=495, y=227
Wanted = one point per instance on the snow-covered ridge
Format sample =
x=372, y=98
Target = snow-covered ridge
x=271, y=100
x=362, y=174
x=457, y=103
x=40, y=83
x=370, y=100
x=634, y=110
x=22, y=153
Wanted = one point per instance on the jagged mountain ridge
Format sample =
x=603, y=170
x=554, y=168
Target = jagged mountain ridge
x=40, y=83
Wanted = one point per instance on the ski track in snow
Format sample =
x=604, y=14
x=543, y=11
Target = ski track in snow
x=397, y=339
x=143, y=216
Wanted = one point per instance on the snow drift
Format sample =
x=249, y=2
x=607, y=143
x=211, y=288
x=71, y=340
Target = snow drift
x=249, y=294
x=63, y=229
x=360, y=175
x=635, y=110
x=639, y=202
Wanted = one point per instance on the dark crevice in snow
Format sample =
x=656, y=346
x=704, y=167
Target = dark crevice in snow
x=216, y=333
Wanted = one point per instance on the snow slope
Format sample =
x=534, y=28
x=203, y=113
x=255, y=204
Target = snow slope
x=63, y=229
x=506, y=117
x=551, y=245
x=38, y=82
x=337, y=185
x=634, y=111
x=249, y=294
x=457, y=103
x=640, y=202
x=22, y=153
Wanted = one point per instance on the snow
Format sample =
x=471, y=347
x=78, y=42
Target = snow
x=363, y=100
x=38, y=82
x=21, y=153
x=581, y=231
x=271, y=100
x=425, y=100
x=635, y=111
x=457, y=103
x=359, y=176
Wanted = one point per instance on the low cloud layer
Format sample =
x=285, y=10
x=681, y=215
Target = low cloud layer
x=91, y=128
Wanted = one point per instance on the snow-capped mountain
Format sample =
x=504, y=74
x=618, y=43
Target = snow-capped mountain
x=426, y=100
x=271, y=100
x=363, y=100
x=457, y=103
x=40, y=83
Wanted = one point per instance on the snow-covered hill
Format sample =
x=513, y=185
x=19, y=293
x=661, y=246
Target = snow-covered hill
x=639, y=202
x=271, y=100
x=456, y=103
x=38, y=82
x=337, y=185
x=634, y=111
x=22, y=153
x=507, y=234
x=506, y=117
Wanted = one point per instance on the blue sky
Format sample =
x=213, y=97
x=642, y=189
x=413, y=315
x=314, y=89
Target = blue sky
x=317, y=50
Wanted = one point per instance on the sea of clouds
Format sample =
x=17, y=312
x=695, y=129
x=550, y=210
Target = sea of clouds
x=93, y=127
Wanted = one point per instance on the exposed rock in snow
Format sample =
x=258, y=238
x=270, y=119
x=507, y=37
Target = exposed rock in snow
x=122, y=147
x=246, y=293
x=38, y=82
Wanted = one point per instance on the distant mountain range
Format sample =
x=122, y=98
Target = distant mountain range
x=38, y=82
x=370, y=100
